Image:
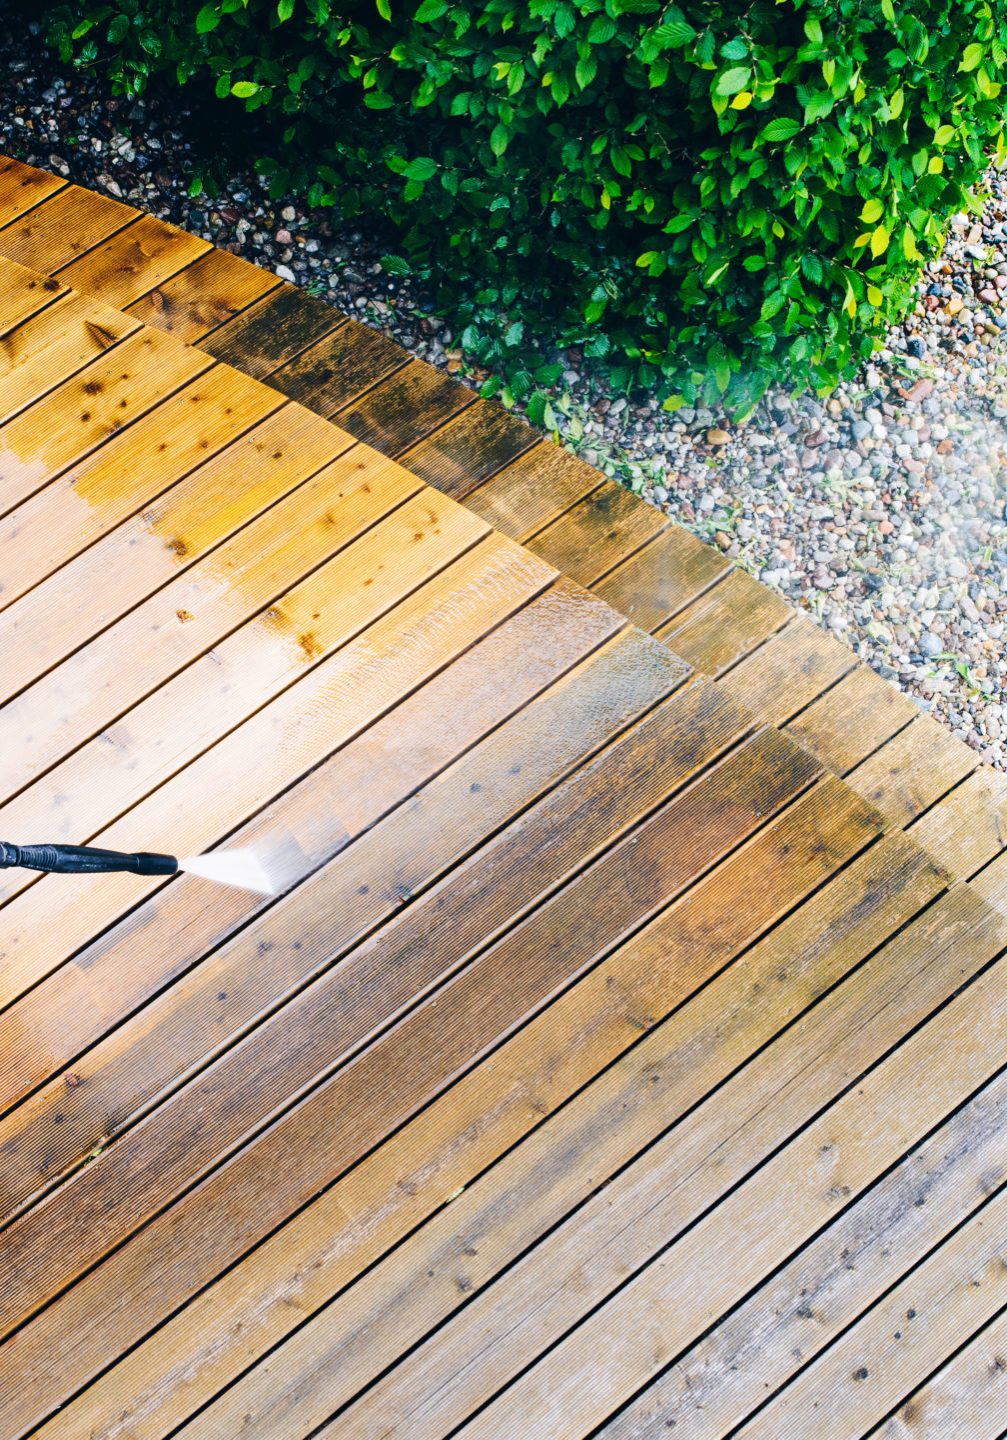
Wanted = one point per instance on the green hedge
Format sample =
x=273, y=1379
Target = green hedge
x=704, y=195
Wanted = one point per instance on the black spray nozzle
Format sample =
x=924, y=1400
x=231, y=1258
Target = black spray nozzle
x=80, y=859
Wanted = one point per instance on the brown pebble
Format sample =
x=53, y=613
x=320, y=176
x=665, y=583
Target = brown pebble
x=716, y=436
x=945, y=447
x=920, y=390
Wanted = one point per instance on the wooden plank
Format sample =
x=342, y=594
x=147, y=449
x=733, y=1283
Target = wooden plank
x=968, y=827
x=146, y=1058
x=991, y=884
x=662, y=578
x=965, y=1397
x=727, y=622
x=634, y=1220
x=22, y=293
x=334, y=371
x=55, y=342
x=404, y=407
x=791, y=670
x=125, y=472
x=274, y=748
x=598, y=532
x=891, y=1349
x=22, y=186
x=37, y=1274
x=913, y=770
x=196, y=612
x=149, y=549
x=272, y=331
x=133, y=261
x=470, y=448
x=74, y=418
x=203, y=296
x=289, y=1393
x=202, y=702
x=852, y=720
x=69, y=223
x=128, y=968
x=372, y=1206
x=803, y=1308
x=533, y=490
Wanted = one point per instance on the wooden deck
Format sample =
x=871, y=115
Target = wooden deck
x=623, y=1052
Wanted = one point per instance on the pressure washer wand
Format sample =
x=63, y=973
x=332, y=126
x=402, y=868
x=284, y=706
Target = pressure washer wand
x=81, y=859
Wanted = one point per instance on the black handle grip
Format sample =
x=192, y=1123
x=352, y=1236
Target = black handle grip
x=82, y=859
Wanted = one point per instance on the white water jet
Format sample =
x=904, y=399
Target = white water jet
x=240, y=868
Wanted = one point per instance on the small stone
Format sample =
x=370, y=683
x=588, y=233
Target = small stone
x=284, y=237
x=954, y=305
x=931, y=645
x=285, y=273
x=716, y=436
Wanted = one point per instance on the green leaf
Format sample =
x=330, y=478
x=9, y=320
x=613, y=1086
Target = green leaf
x=421, y=169
x=285, y=9
x=944, y=134
x=972, y=57
x=585, y=71
x=431, y=10
x=873, y=210
x=499, y=137
x=384, y=9
x=244, y=89
x=879, y=241
x=395, y=265
x=729, y=82
x=780, y=129
x=813, y=29
x=118, y=29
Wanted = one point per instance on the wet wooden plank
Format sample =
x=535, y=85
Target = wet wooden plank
x=133, y=261
x=23, y=292
x=784, y=1204
x=22, y=186
x=78, y=415
x=152, y=547
x=273, y=748
x=563, y=722
x=913, y=770
x=662, y=578
x=53, y=344
x=470, y=448
x=272, y=331
x=598, y=532
x=726, y=623
x=792, y=669
x=112, y=474
x=533, y=490
x=369, y=1115
x=967, y=828
x=205, y=295
x=404, y=407
x=812, y=1300
x=202, y=702
x=611, y=1006
x=852, y=720
x=195, y=613
x=332, y=372
x=68, y=224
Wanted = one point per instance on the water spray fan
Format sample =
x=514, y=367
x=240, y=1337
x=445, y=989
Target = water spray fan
x=241, y=868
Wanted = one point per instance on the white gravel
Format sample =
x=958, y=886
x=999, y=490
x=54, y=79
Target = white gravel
x=880, y=511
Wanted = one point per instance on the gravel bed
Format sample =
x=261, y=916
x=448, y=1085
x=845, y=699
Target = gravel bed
x=881, y=511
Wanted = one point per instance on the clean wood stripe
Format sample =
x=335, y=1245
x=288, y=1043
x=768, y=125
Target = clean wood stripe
x=22, y=294
x=79, y=415
x=126, y=472
x=151, y=548
x=54, y=343
x=22, y=187
x=61, y=229
x=133, y=261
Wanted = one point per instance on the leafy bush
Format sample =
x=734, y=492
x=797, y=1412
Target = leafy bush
x=703, y=194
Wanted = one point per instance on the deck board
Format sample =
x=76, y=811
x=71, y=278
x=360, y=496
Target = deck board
x=616, y=981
